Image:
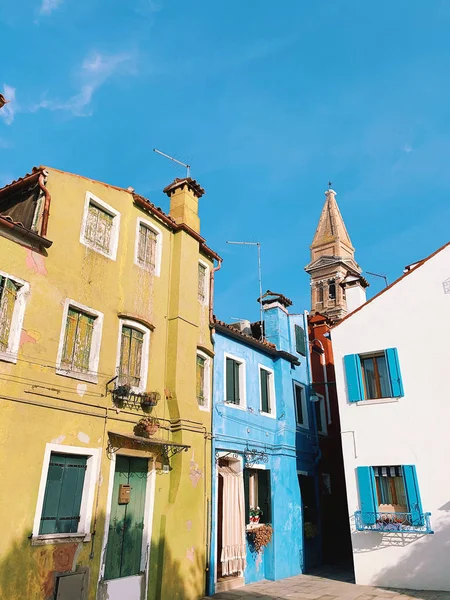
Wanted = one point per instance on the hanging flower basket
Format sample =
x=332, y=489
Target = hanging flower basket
x=121, y=394
x=149, y=399
x=260, y=537
x=147, y=427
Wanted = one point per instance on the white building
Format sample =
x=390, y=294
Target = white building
x=392, y=360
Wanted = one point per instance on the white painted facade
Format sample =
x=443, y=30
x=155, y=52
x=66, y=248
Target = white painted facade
x=414, y=317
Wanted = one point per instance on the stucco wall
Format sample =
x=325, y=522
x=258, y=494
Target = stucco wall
x=414, y=317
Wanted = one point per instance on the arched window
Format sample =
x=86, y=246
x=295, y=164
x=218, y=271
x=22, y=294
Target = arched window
x=332, y=291
x=320, y=293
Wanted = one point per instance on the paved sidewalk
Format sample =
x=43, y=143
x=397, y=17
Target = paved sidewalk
x=331, y=586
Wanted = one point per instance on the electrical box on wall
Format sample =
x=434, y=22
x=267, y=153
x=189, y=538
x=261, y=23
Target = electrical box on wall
x=124, y=493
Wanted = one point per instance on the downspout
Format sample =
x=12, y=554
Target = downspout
x=211, y=289
x=46, y=211
x=325, y=379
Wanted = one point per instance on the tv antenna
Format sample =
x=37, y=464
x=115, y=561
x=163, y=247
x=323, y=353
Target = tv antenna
x=258, y=245
x=187, y=167
x=380, y=276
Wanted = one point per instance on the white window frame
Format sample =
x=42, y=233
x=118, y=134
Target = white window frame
x=156, y=270
x=90, y=197
x=242, y=381
x=305, y=424
x=323, y=414
x=204, y=302
x=272, y=398
x=90, y=376
x=87, y=498
x=207, y=384
x=15, y=330
x=145, y=352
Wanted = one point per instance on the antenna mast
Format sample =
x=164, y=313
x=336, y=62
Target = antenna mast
x=187, y=167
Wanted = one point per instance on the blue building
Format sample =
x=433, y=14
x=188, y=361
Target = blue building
x=265, y=446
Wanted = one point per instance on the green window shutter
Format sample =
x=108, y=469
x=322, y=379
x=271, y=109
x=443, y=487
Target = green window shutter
x=264, y=495
x=394, y=372
x=83, y=342
x=8, y=296
x=201, y=380
x=413, y=494
x=264, y=381
x=237, y=395
x=300, y=340
x=367, y=494
x=298, y=390
x=63, y=493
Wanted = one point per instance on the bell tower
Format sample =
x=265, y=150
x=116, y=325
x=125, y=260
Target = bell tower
x=332, y=261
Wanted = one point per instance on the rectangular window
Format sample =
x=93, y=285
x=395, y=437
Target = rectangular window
x=130, y=366
x=77, y=341
x=233, y=381
x=201, y=362
x=147, y=247
x=202, y=283
x=301, y=407
x=300, y=340
x=8, y=297
x=391, y=492
x=257, y=494
x=320, y=293
x=321, y=418
x=99, y=227
x=63, y=494
x=267, y=391
x=373, y=376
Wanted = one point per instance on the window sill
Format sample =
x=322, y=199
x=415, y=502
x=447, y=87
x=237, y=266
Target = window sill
x=270, y=415
x=204, y=408
x=149, y=269
x=59, y=538
x=88, y=377
x=8, y=357
x=377, y=401
x=232, y=405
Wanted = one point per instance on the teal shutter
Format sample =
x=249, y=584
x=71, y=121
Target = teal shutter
x=300, y=340
x=394, y=372
x=264, y=378
x=353, y=374
x=413, y=494
x=237, y=398
x=367, y=494
x=63, y=493
x=229, y=381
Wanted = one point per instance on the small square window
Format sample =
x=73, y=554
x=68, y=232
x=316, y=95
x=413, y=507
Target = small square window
x=100, y=227
x=375, y=376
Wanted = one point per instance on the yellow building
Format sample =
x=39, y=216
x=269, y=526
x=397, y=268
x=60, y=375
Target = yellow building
x=104, y=321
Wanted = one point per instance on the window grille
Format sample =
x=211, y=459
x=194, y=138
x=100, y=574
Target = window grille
x=201, y=282
x=201, y=363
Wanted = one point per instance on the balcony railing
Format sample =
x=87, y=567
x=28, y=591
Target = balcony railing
x=393, y=522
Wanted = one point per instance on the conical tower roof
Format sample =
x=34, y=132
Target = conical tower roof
x=331, y=231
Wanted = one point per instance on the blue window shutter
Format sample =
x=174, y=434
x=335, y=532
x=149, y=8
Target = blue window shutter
x=394, y=372
x=367, y=495
x=353, y=375
x=413, y=494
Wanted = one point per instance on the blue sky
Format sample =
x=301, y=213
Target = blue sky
x=265, y=100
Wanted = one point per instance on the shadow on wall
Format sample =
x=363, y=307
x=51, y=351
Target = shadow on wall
x=425, y=564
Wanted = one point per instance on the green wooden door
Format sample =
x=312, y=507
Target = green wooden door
x=123, y=554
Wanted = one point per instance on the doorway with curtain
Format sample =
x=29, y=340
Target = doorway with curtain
x=231, y=538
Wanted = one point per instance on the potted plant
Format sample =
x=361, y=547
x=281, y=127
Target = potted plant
x=149, y=399
x=260, y=536
x=147, y=426
x=255, y=515
x=121, y=394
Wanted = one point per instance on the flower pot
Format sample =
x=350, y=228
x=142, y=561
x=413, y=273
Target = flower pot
x=255, y=520
x=151, y=429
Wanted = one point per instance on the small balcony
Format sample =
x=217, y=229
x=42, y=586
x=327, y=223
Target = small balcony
x=395, y=522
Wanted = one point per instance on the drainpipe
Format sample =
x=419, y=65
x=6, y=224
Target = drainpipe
x=211, y=289
x=308, y=365
x=325, y=378
x=46, y=211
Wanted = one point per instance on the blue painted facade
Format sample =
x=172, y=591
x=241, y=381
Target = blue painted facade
x=290, y=449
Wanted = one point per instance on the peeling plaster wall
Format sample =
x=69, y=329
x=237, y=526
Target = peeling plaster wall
x=288, y=450
x=37, y=406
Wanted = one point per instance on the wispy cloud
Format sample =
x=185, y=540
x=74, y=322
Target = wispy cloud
x=407, y=148
x=95, y=71
x=48, y=6
x=7, y=112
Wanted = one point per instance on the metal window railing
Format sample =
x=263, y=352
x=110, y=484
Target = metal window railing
x=393, y=522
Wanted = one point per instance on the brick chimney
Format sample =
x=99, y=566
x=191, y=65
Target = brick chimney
x=184, y=195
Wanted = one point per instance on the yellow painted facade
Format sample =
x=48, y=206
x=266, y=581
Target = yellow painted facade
x=38, y=406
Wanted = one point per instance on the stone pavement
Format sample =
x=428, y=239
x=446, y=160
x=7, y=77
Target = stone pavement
x=328, y=585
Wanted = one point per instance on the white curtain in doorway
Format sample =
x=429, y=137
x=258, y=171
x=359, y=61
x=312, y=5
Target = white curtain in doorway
x=234, y=548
